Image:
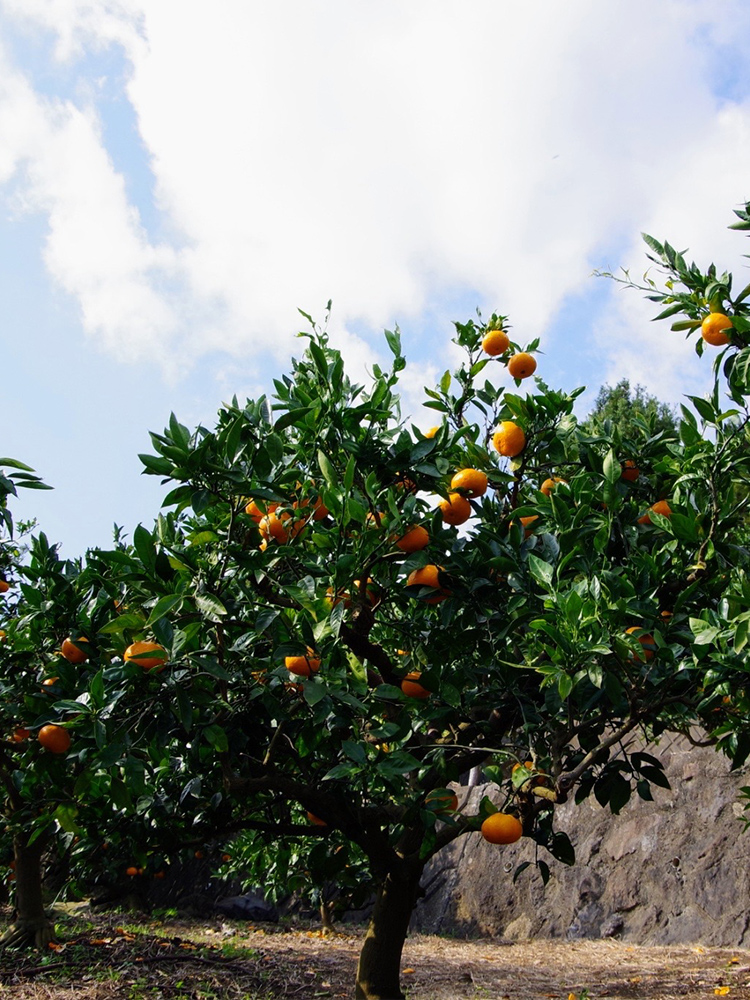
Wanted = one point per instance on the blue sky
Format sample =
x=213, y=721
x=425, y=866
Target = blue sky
x=173, y=189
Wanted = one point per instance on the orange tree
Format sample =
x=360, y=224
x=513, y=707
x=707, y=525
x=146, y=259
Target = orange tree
x=83, y=785
x=352, y=620
x=332, y=678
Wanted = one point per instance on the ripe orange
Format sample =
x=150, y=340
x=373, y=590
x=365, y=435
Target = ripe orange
x=316, y=820
x=660, y=507
x=714, y=327
x=73, y=652
x=432, y=431
x=20, y=734
x=303, y=666
x=54, y=738
x=137, y=653
x=131, y=871
x=427, y=576
x=456, y=509
x=256, y=513
x=509, y=439
x=495, y=342
x=414, y=540
x=280, y=528
x=549, y=484
x=3, y=635
x=4, y=586
x=441, y=800
x=501, y=828
x=471, y=482
x=159, y=874
x=319, y=508
x=49, y=682
x=522, y=365
x=226, y=857
x=406, y=483
x=527, y=522
x=646, y=640
x=412, y=688
x=630, y=471
x=198, y=855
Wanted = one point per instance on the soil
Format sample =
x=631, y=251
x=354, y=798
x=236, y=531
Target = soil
x=115, y=958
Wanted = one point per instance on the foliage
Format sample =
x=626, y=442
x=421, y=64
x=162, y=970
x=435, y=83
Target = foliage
x=634, y=413
x=562, y=626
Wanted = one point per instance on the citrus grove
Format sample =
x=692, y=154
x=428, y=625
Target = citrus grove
x=336, y=617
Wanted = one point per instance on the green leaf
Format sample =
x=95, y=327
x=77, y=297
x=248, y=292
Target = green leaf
x=163, y=607
x=329, y=473
x=217, y=738
x=210, y=606
x=354, y=751
x=541, y=571
x=612, y=468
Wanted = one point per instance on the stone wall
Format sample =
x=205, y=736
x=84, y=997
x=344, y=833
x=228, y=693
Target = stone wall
x=670, y=871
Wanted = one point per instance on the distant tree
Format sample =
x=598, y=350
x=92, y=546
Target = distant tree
x=632, y=410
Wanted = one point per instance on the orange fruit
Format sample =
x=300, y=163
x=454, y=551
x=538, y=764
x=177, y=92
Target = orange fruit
x=501, y=828
x=334, y=597
x=226, y=857
x=660, y=507
x=528, y=764
x=375, y=519
x=428, y=576
x=432, y=431
x=280, y=528
x=137, y=652
x=54, y=738
x=441, y=800
x=509, y=439
x=630, y=471
x=20, y=734
x=495, y=342
x=303, y=666
x=522, y=365
x=4, y=586
x=470, y=482
x=159, y=874
x=456, y=509
x=73, y=652
x=49, y=682
x=646, y=640
x=414, y=540
x=404, y=482
x=412, y=688
x=316, y=820
x=198, y=855
x=3, y=635
x=319, y=508
x=132, y=870
x=549, y=484
x=527, y=522
x=256, y=513
x=714, y=327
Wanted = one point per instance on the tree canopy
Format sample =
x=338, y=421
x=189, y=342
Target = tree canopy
x=344, y=614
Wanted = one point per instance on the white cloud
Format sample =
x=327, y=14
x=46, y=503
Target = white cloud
x=383, y=155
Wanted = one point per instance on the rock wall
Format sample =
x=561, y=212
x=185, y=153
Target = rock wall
x=671, y=871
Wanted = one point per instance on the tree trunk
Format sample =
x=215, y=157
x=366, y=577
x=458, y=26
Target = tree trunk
x=31, y=926
x=380, y=958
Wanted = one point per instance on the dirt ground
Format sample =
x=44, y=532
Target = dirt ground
x=114, y=958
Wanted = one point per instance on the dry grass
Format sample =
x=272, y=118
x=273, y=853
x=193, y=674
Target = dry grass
x=112, y=959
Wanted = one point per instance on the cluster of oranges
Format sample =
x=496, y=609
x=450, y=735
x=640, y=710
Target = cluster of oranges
x=496, y=343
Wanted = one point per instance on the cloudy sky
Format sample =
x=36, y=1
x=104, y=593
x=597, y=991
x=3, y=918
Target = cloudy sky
x=176, y=180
